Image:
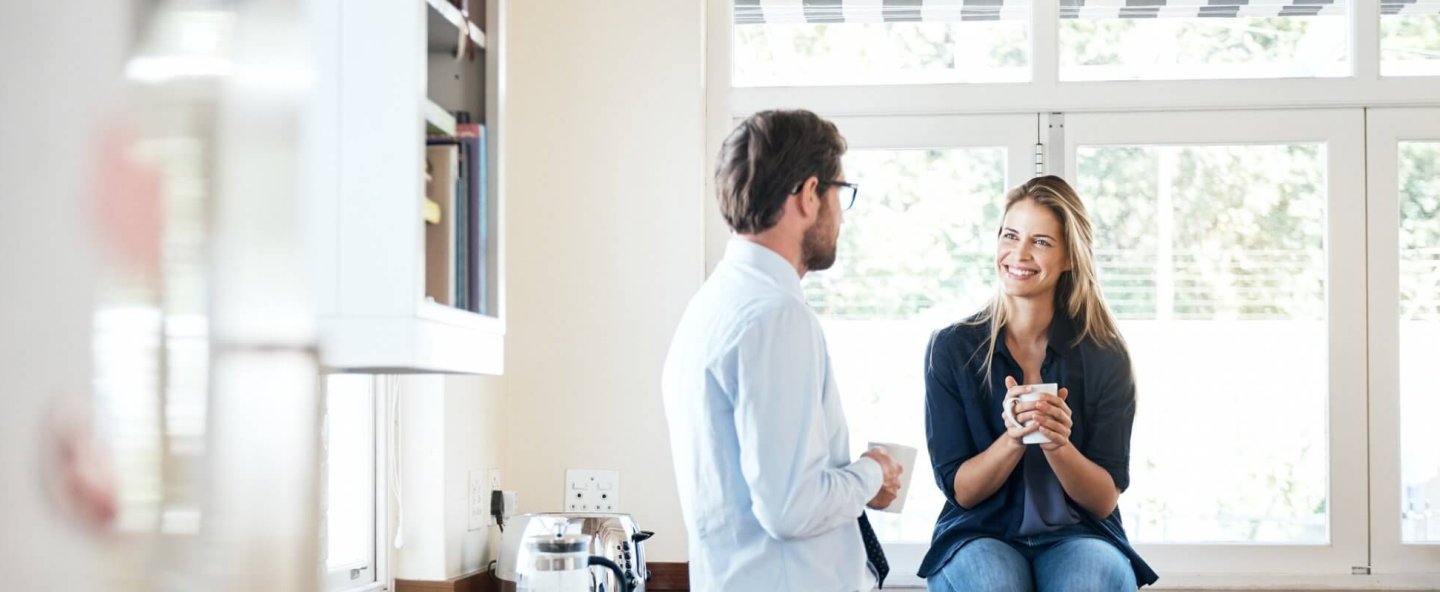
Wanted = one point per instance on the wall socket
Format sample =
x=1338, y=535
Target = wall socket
x=592, y=491
x=478, y=498
x=494, y=485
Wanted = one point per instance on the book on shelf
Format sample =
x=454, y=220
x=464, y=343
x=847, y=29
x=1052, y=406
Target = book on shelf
x=472, y=214
x=440, y=254
x=460, y=225
x=472, y=136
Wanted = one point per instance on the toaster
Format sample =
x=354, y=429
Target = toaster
x=612, y=536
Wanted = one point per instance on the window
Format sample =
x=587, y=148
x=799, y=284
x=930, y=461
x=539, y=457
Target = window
x=914, y=255
x=895, y=288
x=1230, y=248
x=1409, y=38
x=789, y=44
x=1234, y=238
x=1118, y=40
x=1419, y=340
x=350, y=461
x=1404, y=154
x=1213, y=259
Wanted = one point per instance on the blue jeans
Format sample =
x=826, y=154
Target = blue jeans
x=1065, y=563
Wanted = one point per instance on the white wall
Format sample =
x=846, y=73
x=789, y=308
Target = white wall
x=474, y=441
x=606, y=168
x=422, y=479
x=451, y=425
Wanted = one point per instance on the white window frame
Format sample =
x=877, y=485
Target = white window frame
x=1386, y=129
x=1046, y=93
x=1342, y=133
x=378, y=568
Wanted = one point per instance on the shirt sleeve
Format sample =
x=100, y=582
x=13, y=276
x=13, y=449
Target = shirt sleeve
x=780, y=422
x=947, y=432
x=1113, y=415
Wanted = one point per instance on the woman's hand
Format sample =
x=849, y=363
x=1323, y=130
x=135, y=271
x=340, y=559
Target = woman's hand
x=1051, y=416
x=1014, y=425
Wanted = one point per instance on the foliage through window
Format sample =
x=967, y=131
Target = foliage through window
x=881, y=53
x=1204, y=48
x=1409, y=39
x=914, y=255
x=1419, y=339
x=1213, y=257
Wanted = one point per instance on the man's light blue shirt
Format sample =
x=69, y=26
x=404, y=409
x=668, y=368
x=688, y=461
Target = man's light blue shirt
x=760, y=445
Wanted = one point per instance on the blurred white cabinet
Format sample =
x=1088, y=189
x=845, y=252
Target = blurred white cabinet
x=375, y=103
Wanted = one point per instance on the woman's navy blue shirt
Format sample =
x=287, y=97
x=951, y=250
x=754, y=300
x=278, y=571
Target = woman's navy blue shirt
x=962, y=419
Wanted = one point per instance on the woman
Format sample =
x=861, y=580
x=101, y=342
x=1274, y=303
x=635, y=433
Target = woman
x=1040, y=516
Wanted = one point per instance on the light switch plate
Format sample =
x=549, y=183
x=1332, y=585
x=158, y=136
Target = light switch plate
x=588, y=490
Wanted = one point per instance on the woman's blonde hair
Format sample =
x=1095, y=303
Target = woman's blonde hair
x=1077, y=295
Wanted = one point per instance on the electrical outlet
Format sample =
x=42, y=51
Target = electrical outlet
x=477, y=501
x=592, y=491
x=494, y=486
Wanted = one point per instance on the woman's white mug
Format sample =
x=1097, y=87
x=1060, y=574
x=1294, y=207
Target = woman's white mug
x=1034, y=395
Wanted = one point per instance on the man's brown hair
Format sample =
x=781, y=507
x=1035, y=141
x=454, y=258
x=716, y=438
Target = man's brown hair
x=766, y=158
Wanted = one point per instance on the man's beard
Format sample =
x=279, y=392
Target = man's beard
x=817, y=249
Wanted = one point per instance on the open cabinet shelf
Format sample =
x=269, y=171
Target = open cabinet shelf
x=442, y=13
x=438, y=121
x=416, y=231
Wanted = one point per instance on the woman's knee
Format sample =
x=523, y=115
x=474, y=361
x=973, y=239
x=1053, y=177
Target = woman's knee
x=1084, y=564
x=986, y=565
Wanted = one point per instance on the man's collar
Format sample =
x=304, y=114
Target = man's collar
x=751, y=253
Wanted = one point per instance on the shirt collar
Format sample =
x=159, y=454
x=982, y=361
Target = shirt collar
x=1062, y=333
x=768, y=262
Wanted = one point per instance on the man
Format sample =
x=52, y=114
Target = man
x=761, y=449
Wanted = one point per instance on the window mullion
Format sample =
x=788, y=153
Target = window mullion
x=1045, y=44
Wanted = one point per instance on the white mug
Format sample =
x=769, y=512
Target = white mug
x=905, y=456
x=1034, y=395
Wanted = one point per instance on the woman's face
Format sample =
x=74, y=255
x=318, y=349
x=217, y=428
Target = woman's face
x=1031, y=253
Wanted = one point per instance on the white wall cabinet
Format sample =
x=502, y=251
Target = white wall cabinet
x=386, y=79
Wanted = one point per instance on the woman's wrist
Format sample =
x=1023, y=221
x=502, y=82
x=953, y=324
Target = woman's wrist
x=1062, y=454
x=1010, y=445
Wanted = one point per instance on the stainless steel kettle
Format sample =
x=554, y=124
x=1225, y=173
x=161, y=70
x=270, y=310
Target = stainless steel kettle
x=614, y=537
x=561, y=563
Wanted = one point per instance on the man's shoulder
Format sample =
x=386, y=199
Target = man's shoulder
x=748, y=301
x=727, y=312
x=775, y=312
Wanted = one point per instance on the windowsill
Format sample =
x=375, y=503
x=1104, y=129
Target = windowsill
x=1294, y=582
x=371, y=587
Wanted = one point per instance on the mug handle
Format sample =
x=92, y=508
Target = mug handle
x=1010, y=410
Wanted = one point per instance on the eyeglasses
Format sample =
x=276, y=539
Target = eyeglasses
x=848, y=191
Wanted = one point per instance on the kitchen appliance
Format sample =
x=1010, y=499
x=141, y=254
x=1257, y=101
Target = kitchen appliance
x=611, y=536
x=561, y=563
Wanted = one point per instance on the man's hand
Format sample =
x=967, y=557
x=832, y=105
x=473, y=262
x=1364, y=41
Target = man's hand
x=890, y=488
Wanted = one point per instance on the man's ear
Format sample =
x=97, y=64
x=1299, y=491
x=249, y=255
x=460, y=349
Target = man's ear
x=808, y=199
